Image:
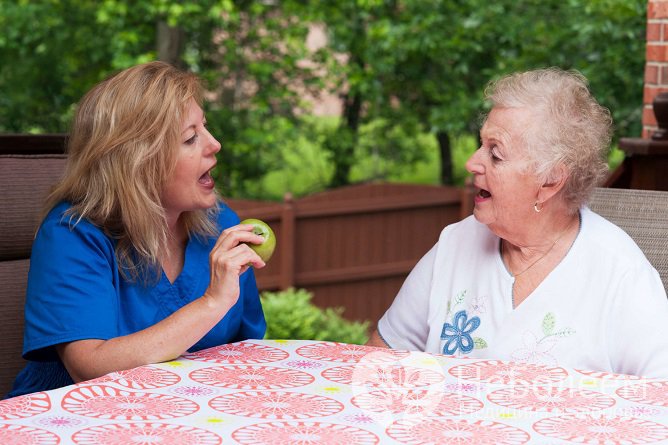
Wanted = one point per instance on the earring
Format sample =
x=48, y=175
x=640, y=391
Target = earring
x=536, y=208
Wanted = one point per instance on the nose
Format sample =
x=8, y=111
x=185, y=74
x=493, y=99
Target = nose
x=474, y=163
x=213, y=143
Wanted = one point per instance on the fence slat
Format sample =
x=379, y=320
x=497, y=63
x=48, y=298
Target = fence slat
x=287, y=272
x=356, y=273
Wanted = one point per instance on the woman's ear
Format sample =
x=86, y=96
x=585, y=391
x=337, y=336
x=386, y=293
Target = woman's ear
x=554, y=183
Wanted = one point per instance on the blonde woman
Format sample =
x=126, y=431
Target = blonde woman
x=136, y=260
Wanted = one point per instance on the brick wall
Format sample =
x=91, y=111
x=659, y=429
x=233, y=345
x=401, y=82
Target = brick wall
x=656, y=65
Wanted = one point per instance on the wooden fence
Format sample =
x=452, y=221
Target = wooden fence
x=354, y=246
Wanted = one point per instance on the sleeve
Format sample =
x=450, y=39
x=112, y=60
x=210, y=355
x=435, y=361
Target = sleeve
x=639, y=327
x=71, y=293
x=253, y=324
x=405, y=324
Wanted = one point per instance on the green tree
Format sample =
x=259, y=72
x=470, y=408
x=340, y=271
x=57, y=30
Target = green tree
x=427, y=62
x=402, y=67
x=246, y=51
x=50, y=52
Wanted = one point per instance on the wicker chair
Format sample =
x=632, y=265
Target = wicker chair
x=643, y=214
x=29, y=166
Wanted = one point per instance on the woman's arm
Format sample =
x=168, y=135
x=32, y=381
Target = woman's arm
x=171, y=337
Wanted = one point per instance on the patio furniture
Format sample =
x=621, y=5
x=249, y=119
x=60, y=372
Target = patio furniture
x=313, y=392
x=643, y=214
x=27, y=172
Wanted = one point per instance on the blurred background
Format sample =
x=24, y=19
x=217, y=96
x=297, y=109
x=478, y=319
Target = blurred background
x=344, y=124
x=311, y=95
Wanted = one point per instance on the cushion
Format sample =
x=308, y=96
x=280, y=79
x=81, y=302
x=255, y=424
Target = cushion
x=25, y=180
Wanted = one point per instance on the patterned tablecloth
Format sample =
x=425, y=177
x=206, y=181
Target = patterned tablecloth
x=306, y=392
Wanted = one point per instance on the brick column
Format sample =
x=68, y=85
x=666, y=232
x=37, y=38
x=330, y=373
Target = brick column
x=656, y=61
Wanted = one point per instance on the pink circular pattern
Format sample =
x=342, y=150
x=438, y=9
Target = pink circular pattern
x=383, y=376
x=347, y=353
x=551, y=399
x=438, y=431
x=25, y=406
x=194, y=391
x=417, y=403
x=602, y=430
x=106, y=402
x=145, y=377
x=145, y=434
x=251, y=377
x=650, y=393
x=303, y=433
x=276, y=405
x=509, y=373
x=607, y=375
x=304, y=364
x=60, y=422
x=25, y=435
x=239, y=353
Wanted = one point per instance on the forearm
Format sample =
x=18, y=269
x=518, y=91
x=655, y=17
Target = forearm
x=165, y=340
x=172, y=336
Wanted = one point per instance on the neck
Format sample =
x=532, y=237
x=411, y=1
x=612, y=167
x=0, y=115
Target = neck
x=521, y=258
x=176, y=235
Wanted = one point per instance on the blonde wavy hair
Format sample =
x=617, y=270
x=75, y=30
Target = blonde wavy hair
x=571, y=128
x=121, y=151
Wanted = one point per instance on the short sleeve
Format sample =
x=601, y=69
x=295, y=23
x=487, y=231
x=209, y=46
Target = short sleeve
x=405, y=324
x=639, y=331
x=70, y=292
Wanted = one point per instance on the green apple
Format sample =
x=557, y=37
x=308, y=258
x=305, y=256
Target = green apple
x=266, y=249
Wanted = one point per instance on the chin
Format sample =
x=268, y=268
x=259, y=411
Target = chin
x=483, y=218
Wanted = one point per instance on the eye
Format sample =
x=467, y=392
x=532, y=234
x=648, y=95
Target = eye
x=493, y=155
x=191, y=140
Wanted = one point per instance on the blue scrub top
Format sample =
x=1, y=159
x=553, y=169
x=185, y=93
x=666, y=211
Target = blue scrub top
x=75, y=292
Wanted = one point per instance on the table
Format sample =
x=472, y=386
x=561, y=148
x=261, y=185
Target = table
x=312, y=392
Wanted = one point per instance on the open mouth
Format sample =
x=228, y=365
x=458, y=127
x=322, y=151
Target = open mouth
x=206, y=179
x=484, y=193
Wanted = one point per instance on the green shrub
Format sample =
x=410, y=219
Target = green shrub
x=291, y=315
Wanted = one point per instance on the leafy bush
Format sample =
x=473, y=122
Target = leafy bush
x=291, y=315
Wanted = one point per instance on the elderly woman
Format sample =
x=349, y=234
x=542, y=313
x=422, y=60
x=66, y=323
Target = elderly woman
x=137, y=260
x=534, y=275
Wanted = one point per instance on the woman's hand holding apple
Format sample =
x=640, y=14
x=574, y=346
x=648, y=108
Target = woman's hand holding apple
x=230, y=257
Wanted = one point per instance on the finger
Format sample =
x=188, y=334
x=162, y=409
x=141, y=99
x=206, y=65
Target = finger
x=236, y=235
x=235, y=259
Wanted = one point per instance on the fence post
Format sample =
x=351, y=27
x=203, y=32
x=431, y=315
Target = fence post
x=287, y=243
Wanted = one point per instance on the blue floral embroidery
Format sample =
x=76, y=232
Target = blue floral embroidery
x=458, y=334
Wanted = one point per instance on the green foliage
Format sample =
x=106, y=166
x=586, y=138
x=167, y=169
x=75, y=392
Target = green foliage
x=429, y=61
x=291, y=315
x=407, y=70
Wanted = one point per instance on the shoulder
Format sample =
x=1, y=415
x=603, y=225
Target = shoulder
x=605, y=238
x=65, y=224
